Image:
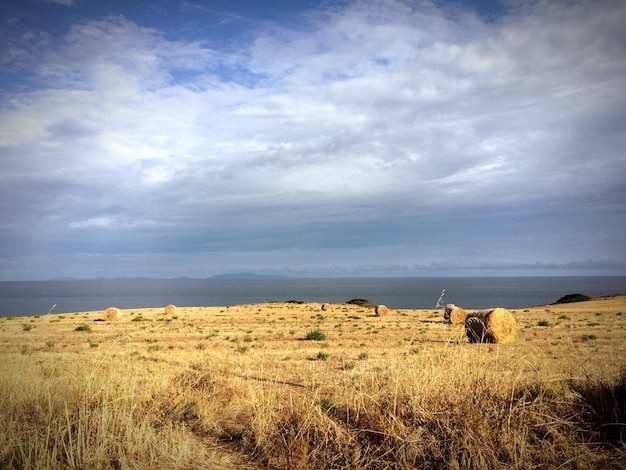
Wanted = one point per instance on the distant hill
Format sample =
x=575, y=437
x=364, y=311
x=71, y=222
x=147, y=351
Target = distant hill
x=245, y=276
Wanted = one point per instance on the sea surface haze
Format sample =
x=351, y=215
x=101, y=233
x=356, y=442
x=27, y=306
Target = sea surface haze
x=21, y=298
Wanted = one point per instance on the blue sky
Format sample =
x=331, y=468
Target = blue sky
x=313, y=138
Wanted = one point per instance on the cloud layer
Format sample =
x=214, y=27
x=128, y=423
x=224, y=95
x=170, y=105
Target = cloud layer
x=364, y=134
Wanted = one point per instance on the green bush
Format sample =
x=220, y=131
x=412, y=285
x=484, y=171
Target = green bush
x=348, y=366
x=572, y=298
x=361, y=303
x=315, y=335
x=322, y=356
x=82, y=327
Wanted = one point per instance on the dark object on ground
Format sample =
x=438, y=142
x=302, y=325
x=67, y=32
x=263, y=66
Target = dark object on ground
x=294, y=302
x=361, y=303
x=569, y=298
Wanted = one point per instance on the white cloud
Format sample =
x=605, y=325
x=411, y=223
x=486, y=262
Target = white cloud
x=372, y=112
x=95, y=222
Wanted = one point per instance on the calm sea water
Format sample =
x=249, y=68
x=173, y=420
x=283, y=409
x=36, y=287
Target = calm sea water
x=37, y=297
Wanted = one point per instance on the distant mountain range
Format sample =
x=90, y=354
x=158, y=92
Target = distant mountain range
x=245, y=276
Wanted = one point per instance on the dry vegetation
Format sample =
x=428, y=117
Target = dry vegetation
x=241, y=387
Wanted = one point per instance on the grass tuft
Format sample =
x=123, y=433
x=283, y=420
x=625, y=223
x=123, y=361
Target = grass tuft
x=315, y=335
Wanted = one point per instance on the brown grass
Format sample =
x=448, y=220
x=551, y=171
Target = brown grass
x=237, y=388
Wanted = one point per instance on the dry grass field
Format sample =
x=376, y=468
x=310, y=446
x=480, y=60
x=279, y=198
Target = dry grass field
x=292, y=386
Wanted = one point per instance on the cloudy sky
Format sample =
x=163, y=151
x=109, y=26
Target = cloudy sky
x=314, y=138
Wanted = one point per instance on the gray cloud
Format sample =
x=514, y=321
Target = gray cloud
x=370, y=134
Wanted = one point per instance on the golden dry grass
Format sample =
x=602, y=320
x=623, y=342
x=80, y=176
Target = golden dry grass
x=240, y=387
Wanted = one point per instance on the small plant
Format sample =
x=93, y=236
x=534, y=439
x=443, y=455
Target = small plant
x=348, y=365
x=363, y=356
x=543, y=323
x=315, y=335
x=242, y=349
x=83, y=327
x=322, y=356
x=564, y=317
x=328, y=405
x=27, y=327
x=588, y=337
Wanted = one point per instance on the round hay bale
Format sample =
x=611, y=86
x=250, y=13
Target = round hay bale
x=501, y=325
x=112, y=313
x=447, y=310
x=381, y=310
x=491, y=326
x=475, y=329
x=170, y=309
x=457, y=316
x=324, y=307
x=454, y=315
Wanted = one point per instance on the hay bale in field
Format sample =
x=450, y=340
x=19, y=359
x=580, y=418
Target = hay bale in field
x=447, y=310
x=490, y=326
x=454, y=315
x=112, y=313
x=170, y=309
x=326, y=306
x=476, y=330
x=381, y=310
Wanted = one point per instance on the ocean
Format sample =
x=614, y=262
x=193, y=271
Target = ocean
x=38, y=297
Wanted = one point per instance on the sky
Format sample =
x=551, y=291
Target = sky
x=170, y=138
